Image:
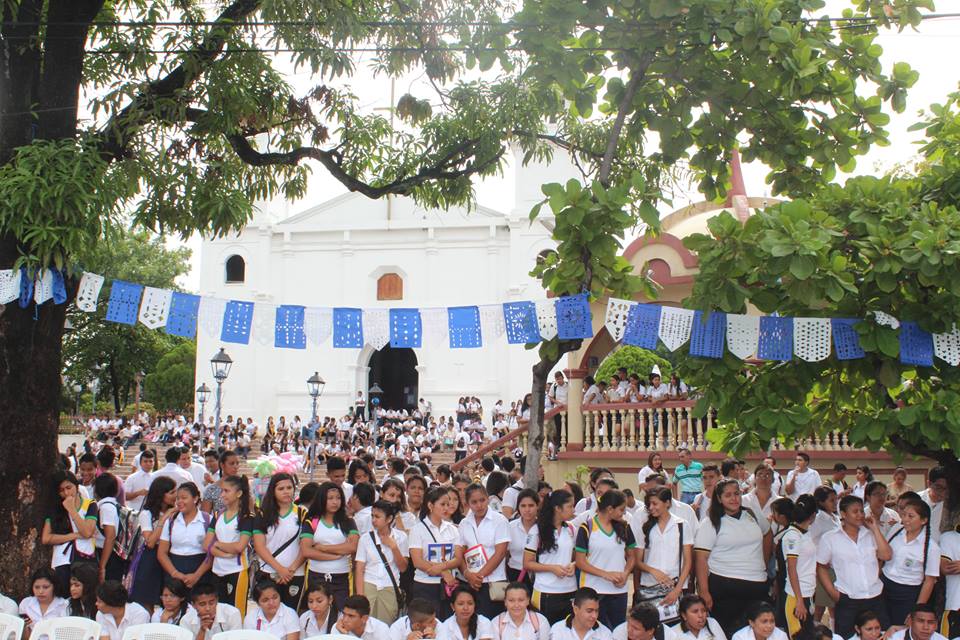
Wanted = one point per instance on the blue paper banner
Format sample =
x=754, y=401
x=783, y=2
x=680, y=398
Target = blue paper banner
x=846, y=340
x=464, y=326
x=776, y=338
x=916, y=345
x=707, y=338
x=237, y=321
x=643, y=326
x=347, y=328
x=26, y=289
x=520, y=320
x=288, y=328
x=124, y=305
x=182, y=317
x=59, y=287
x=574, y=320
x=406, y=329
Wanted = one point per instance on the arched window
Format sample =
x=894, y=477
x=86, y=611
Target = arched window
x=390, y=287
x=236, y=269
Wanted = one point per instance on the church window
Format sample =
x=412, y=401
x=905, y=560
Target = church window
x=390, y=287
x=236, y=269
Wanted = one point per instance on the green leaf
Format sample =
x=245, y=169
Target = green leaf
x=802, y=267
x=780, y=35
x=889, y=343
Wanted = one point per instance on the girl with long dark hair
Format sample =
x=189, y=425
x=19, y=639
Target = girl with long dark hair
x=528, y=503
x=321, y=615
x=482, y=546
x=174, y=600
x=431, y=545
x=180, y=551
x=69, y=527
x=665, y=550
x=549, y=556
x=695, y=621
x=381, y=559
x=44, y=603
x=229, y=463
x=276, y=535
x=158, y=509
x=328, y=538
x=227, y=540
x=84, y=580
x=797, y=558
x=911, y=574
x=465, y=623
x=605, y=553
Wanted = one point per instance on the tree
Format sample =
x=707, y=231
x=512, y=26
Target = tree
x=170, y=386
x=192, y=120
x=889, y=244
x=636, y=360
x=643, y=85
x=116, y=352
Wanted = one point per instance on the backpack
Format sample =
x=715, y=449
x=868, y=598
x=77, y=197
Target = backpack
x=128, y=537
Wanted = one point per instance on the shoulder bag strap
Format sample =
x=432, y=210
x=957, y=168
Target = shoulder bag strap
x=393, y=580
x=296, y=535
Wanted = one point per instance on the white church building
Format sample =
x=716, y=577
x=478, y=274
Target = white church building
x=350, y=251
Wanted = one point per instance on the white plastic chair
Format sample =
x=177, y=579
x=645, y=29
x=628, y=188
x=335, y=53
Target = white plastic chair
x=68, y=628
x=244, y=634
x=157, y=631
x=11, y=627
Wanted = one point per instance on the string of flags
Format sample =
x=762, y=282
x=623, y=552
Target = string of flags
x=775, y=338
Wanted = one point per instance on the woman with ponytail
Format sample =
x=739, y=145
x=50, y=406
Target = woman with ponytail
x=227, y=539
x=276, y=539
x=664, y=550
x=912, y=572
x=549, y=556
x=798, y=553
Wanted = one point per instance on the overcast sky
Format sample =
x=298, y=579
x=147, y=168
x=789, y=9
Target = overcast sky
x=932, y=51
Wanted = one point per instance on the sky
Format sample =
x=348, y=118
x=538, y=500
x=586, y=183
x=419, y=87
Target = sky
x=929, y=50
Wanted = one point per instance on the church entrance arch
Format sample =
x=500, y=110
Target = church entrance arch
x=395, y=370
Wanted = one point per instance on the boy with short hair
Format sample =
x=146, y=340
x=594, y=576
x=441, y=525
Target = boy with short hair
x=356, y=620
x=582, y=624
x=420, y=623
x=209, y=616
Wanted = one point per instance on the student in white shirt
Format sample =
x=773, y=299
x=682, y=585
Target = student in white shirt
x=549, y=556
x=520, y=527
x=867, y=626
x=174, y=603
x=137, y=483
x=665, y=547
x=605, y=556
x=802, y=479
x=701, y=504
x=935, y=495
x=431, y=544
x=321, y=615
x=761, y=497
x=483, y=545
x=854, y=553
x=798, y=558
x=733, y=546
x=876, y=499
x=105, y=489
x=328, y=531
x=180, y=551
x=911, y=574
x=950, y=569
x=695, y=621
x=583, y=623
x=921, y=624
x=357, y=621
x=518, y=622
x=761, y=625
x=465, y=623
x=643, y=623
x=69, y=526
x=825, y=521
x=381, y=558
x=227, y=539
x=271, y=615
x=115, y=615
x=421, y=619
x=44, y=603
x=276, y=539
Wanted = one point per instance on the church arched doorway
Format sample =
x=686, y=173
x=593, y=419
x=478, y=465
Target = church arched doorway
x=395, y=370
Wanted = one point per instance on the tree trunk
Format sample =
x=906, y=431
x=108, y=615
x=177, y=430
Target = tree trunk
x=535, y=428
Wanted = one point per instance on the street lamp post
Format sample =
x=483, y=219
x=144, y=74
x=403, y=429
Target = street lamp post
x=77, y=390
x=315, y=385
x=221, y=364
x=94, y=385
x=203, y=394
x=375, y=392
x=138, y=378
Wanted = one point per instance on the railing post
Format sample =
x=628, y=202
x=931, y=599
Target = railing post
x=603, y=419
x=575, y=417
x=588, y=431
x=671, y=430
x=563, y=431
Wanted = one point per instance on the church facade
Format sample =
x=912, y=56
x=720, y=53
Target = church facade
x=350, y=251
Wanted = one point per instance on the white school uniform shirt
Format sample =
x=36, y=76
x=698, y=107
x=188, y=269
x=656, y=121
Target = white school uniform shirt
x=855, y=563
x=605, y=551
x=751, y=501
x=889, y=520
x=712, y=631
x=186, y=539
x=950, y=550
x=746, y=633
x=109, y=512
x=546, y=581
x=823, y=523
x=276, y=535
x=8, y=606
x=310, y=628
x=902, y=634
x=400, y=629
x=137, y=481
x=518, y=542
x=175, y=472
x=736, y=551
x=63, y=552
x=450, y=630
x=157, y=615
x=620, y=633
x=800, y=545
x=534, y=627
x=373, y=630
x=133, y=614
x=30, y=608
x=374, y=571
x=328, y=534
x=284, y=622
x=906, y=565
x=227, y=618
x=936, y=513
x=439, y=545
x=230, y=530
x=663, y=553
x=491, y=531
x=806, y=482
x=560, y=631
x=364, y=520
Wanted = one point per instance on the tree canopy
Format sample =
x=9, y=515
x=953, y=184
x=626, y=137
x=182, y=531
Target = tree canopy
x=169, y=387
x=635, y=360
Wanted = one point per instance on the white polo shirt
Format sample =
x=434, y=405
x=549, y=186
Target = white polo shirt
x=736, y=551
x=800, y=545
x=30, y=607
x=518, y=542
x=950, y=550
x=546, y=581
x=277, y=535
x=328, y=534
x=560, y=631
x=747, y=633
x=137, y=481
x=374, y=571
x=230, y=530
x=823, y=523
x=902, y=634
x=400, y=629
x=435, y=543
x=855, y=563
x=284, y=622
x=309, y=627
x=604, y=550
x=534, y=627
x=663, y=552
x=185, y=538
x=373, y=630
x=620, y=633
x=906, y=565
x=936, y=513
x=227, y=618
x=751, y=501
x=133, y=614
x=491, y=531
x=806, y=482
x=450, y=630
x=712, y=631
x=109, y=512
x=889, y=520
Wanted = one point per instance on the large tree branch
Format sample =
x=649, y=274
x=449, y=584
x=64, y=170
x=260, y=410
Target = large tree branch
x=19, y=70
x=606, y=164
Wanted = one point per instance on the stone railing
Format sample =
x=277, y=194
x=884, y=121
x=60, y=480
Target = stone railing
x=667, y=426
x=517, y=438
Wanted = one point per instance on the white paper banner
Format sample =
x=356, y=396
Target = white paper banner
x=210, y=315
x=155, y=307
x=886, y=320
x=376, y=328
x=547, y=319
x=616, y=321
x=88, y=292
x=946, y=346
x=43, y=286
x=675, y=326
x=811, y=338
x=492, y=324
x=10, y=285
x=436, y=325
x=317, y=324
x=743, y=334
x=264, y=323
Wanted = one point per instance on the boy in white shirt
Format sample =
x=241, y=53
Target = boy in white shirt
x=921, y=624
x=802, y=479
x=641, y=624
x=582, y=623
x=209, y=616
x=115, y=615
x=356, y=620
x=420, y=621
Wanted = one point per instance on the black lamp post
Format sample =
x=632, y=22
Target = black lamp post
x=203, y=394
x=315, y=386
x=221, y=364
